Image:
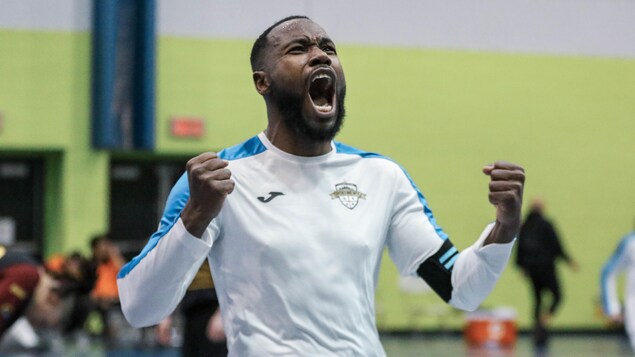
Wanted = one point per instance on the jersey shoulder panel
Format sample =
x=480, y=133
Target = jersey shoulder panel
x=383, y=164
x=248, y=148
x=342, y=148
x=346, y=149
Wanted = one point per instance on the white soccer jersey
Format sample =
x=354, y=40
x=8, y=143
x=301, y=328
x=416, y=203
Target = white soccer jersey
x=296, y=249
x=622, y=261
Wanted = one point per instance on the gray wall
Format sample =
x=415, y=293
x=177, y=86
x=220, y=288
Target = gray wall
x=48, y=15
x=587, y=27
x=571, y=27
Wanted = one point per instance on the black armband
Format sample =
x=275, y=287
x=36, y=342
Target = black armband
x=437, y=270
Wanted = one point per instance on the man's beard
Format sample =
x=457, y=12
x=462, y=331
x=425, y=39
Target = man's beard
x=290, y=105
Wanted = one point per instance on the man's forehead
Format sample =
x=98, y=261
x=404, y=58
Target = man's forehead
x=295, y=28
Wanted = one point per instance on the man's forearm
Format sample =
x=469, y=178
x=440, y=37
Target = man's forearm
x=477, y=271
x=152, y=284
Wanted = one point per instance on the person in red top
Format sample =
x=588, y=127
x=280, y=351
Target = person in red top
x=46, y=300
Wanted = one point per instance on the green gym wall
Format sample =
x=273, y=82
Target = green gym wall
x=441, y=114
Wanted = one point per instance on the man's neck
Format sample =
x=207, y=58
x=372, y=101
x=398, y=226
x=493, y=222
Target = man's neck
x=293, y=143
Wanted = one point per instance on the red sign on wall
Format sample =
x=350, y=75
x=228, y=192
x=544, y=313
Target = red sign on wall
x=187, y=127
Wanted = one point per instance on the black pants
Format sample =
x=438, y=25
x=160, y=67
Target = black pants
x=195, y=341
x=544, y=279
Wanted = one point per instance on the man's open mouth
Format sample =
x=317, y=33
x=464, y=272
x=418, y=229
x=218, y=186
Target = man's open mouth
x=322, y=90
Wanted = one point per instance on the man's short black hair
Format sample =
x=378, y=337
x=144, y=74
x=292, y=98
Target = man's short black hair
x=261, y=42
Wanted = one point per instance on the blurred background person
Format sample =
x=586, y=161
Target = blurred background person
x=538, y=249
x=621, y=261
x=203, y=334
x=48, y=300
x=107, y=260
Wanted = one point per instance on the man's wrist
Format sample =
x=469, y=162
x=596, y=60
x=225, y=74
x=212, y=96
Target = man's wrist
x=195, y=220
x=503, y=232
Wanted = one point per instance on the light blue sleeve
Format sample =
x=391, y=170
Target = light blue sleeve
x=152, y=284
x=611, y=269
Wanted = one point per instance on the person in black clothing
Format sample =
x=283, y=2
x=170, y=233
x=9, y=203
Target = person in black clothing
x=199, y=306
x=203, y=334
x=538, y=249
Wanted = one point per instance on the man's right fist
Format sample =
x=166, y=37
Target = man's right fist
x=210, y=183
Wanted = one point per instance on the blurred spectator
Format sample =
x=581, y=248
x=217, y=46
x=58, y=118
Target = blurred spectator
x=203, y=334
x=107, y=260
x=622, y=261
x=74, y=266
x=52, y=300
x=55, y=263
x=538, y=248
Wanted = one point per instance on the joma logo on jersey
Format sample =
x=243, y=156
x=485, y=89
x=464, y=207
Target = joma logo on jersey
x=347, y=194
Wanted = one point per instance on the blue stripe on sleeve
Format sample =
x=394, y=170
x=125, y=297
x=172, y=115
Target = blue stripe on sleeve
x=447, y=255
x=450, y=264
x=181, y=193
x=345, y=149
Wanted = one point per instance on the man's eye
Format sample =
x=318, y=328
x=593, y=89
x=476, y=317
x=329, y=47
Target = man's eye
x=297, y=49
x=329, y=49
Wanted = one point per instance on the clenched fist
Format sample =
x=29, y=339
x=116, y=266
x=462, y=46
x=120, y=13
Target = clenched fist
x=210, y=183
x=506, y=185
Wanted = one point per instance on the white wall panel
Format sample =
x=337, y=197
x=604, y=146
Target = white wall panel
x=52, y=15
x=574, y=27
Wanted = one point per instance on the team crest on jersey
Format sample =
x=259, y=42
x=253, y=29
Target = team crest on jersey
x=347, y=194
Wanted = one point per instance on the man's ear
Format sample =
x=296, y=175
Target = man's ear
x=261, y=82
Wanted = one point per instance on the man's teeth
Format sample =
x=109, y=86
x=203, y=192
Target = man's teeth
x=322, y=76
x=324, y=108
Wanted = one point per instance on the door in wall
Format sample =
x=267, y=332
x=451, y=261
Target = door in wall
x=138, y=191
x=21, y=204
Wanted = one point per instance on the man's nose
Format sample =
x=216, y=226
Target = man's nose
x=319, y=57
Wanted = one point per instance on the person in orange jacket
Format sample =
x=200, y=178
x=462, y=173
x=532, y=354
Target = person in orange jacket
x=107, y=260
